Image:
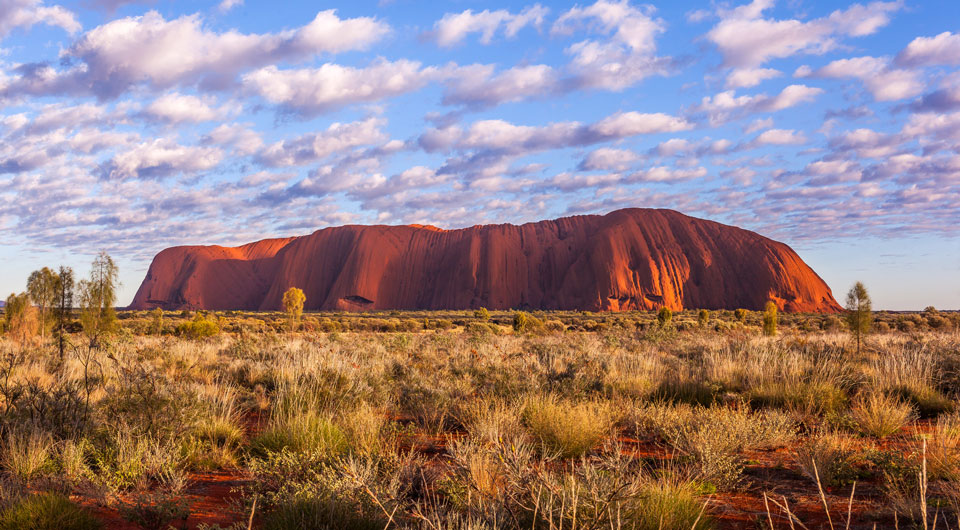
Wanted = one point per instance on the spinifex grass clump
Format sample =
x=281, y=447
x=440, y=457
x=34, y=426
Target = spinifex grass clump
x=565, y=428
x=879, y=415
x=47, y=511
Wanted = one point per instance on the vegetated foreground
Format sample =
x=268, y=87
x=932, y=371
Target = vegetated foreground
x=481, y=421
x=631, y=259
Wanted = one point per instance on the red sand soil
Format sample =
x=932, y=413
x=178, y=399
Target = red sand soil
x=633, y=259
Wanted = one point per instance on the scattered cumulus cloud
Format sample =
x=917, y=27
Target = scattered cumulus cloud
x=453, y=28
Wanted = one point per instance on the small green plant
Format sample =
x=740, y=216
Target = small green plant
x=47, y=511
x=482, y=314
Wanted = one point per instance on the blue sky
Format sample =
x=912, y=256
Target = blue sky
x=131, y=126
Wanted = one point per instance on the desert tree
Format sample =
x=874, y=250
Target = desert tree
x=482, y=314
x=293, y=300
x=20, y=317
x=42, y=287
x=156, y=321
x=97, y=298
x=63, y=306
x=859, y=315
x=770, y=319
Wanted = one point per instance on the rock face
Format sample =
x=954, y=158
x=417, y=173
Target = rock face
x=628, y=259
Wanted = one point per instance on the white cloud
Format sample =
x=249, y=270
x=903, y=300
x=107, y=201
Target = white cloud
x=179, y=108
x=885, y=83
x=608, y=159
x=312, y=91
x=927, y=51
x=935, y=125
x=623, y=124
x=26, y=13
x=668, y=174
x=747, y=40
x=758, y=124
x=478, y=86
x=160, y=158
x=780, y=137
x=227, y=5
x=672, y=147
x=623, y=60
x=727, y=106
x=750, y=77
x=866, y=143
x=245, y=141
x=162, y=53
x=57, y=116
x=454, y=27
x=338, y=137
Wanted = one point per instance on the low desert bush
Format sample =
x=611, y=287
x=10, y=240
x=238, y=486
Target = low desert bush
x=47, y=511
x=879, y=415
x=713, y=437
x=313, y=490
x=198, y=328
x=524, y=322
x=565, y=428
x=829, y=458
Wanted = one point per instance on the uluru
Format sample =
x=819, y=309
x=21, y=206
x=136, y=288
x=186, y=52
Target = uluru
x=630, y=259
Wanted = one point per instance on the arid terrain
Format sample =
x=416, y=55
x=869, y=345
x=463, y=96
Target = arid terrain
x=486, y=420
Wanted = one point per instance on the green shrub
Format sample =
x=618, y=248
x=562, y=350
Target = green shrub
x=198, y=328
x=770, y=319
x=703, y=318
x=741, y=315
x=526, y=323
x=47, y=511
x=664, y=316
